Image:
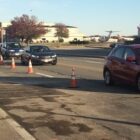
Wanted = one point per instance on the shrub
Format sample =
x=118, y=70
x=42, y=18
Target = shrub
x=78, y=42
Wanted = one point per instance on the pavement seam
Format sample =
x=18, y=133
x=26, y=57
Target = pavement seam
x=18, y=128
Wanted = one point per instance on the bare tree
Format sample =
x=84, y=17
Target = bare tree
x=25, y=28
x=61, y=31
x=0, y=36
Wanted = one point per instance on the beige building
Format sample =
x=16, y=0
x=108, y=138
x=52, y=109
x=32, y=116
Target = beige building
x=5, y=24
x=74, y=33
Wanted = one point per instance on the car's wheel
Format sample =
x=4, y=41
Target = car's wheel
x=5, y=57
x=138, y=83
x=107, y=78
x=54, y=62
x=22, y=61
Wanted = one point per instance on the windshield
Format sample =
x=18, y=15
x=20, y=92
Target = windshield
x=13, y=45
x=39, y=49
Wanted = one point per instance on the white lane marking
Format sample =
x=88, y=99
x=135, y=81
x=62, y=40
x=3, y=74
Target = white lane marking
x=45, y=75
x=18, y=128
x=95, y=62
x=10, y=83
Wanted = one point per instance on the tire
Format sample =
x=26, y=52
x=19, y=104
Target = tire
x=138, y=83
x=54, y=62
x=6, y=55
x=108, y=78
x=22, y=61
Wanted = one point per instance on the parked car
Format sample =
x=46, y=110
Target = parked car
x=11, y=49
x=123, y=65
x=39, y=54
x=0, y=47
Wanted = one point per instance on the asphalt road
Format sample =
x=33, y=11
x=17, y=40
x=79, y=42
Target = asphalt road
x=45, y=105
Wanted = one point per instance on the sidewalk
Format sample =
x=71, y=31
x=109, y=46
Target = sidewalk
x=11, y=130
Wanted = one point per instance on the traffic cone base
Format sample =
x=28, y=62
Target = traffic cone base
x=30, y=69
x=73, y=83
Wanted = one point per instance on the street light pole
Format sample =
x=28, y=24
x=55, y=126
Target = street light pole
x=1, y=33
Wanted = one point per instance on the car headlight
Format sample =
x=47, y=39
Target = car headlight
x=21, y=50
x=11, y=50
x=35, y=56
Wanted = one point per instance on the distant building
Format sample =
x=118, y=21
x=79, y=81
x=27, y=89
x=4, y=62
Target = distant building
x=5, y=24
x=96, y=38
x=74, y=33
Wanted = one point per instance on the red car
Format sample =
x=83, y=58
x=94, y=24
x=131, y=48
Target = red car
x=123, y=65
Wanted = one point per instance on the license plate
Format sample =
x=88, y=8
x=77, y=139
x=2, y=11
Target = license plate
x=16, y=54
x=47, y=60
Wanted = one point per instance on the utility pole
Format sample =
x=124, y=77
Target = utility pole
x=1, y=33
x=138, y=31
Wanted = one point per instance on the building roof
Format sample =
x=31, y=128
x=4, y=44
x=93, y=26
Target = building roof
x=48, y=25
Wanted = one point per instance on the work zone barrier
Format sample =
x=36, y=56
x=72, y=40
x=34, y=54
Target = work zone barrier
x=73, y=82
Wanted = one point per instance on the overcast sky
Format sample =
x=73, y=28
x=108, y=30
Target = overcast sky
x=90, y=16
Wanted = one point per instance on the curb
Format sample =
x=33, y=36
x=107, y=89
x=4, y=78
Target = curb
x=18, y=128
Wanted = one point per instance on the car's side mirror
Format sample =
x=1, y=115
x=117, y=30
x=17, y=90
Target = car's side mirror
x=131, y=59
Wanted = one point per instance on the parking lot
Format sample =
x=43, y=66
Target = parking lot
x=44, y=104
x=68, y=114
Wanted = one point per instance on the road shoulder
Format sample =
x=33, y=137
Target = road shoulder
x=10, y=129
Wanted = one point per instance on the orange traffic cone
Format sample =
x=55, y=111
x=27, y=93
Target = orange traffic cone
x=1, y=60
x=73, y=83
x=13, y=66
x=30, y=68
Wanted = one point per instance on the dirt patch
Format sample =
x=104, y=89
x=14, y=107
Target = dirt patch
x=66, y=108
x=63, y=106
x=31, y=124
x=105, y=139
x=4, y=101
x=83, y=127
x=49, y=99
x=79, y=103
x=60, y=127
x=28, y=109
x=65, y=127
